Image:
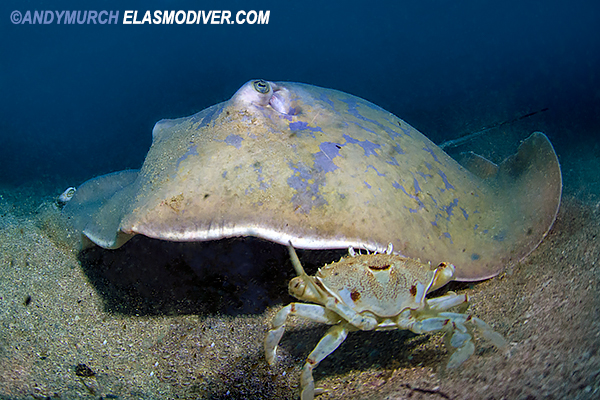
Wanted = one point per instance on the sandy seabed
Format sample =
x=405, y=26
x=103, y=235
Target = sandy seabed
x=158, y=320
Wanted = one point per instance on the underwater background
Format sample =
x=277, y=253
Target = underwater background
x=164, y=320
x=81, y=100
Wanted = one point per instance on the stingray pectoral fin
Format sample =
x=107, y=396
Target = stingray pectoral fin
x=528, y=187
x=478, y=165
x=103, y=228
x=98, y=206
x=533, y=184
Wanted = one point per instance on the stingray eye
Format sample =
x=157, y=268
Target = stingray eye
x=261, y=86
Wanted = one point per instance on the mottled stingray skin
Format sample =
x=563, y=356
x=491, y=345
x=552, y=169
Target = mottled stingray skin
x=288, y=161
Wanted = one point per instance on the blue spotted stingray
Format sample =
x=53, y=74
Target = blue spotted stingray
x=324, y=169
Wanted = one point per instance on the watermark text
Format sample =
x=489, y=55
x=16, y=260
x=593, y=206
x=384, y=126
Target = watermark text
x=65, y=17
x=135, y=17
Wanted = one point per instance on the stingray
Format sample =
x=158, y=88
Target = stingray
x=324, y=169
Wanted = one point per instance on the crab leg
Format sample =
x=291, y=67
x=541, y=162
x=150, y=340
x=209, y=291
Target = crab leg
x=487, y=332
x=446, y=301
x=327, y=345
x=458, y=327
x=459, y=336
x=312, y=312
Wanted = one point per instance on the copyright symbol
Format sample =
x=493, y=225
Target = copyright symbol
x=15, y=17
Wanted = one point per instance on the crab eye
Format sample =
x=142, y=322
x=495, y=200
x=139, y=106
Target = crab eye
x=297, y=287
x=261, y=86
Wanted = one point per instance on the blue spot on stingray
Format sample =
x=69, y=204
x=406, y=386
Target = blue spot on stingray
x=429, y=166
x=224, y=174
x=192, y=151
x=445, y=179
x=424, y=176
x=398, y=149
x=234, y=140
x=416, y=185
x=406, y=131
x=450, y=207
x=416, y=198
x=447, y=235
x=324, y=158
x=396, y=185
x=391, y=133
x=364, y=128
x=465, y=213
x=352, y=110
x=299, y=126
x=474, y=256
x=307, y=194
x=262, y=185
x=430, y=151
x=368, y=146
x=327, y=100
x=375, y=169
x=393, y=161
x=368, y=186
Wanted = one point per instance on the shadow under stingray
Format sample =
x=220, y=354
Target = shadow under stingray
x=231, y=276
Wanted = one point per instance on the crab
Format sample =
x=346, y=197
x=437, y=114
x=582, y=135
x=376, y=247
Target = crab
x=377, y=291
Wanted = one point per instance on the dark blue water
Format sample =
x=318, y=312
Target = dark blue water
x=81, y=100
